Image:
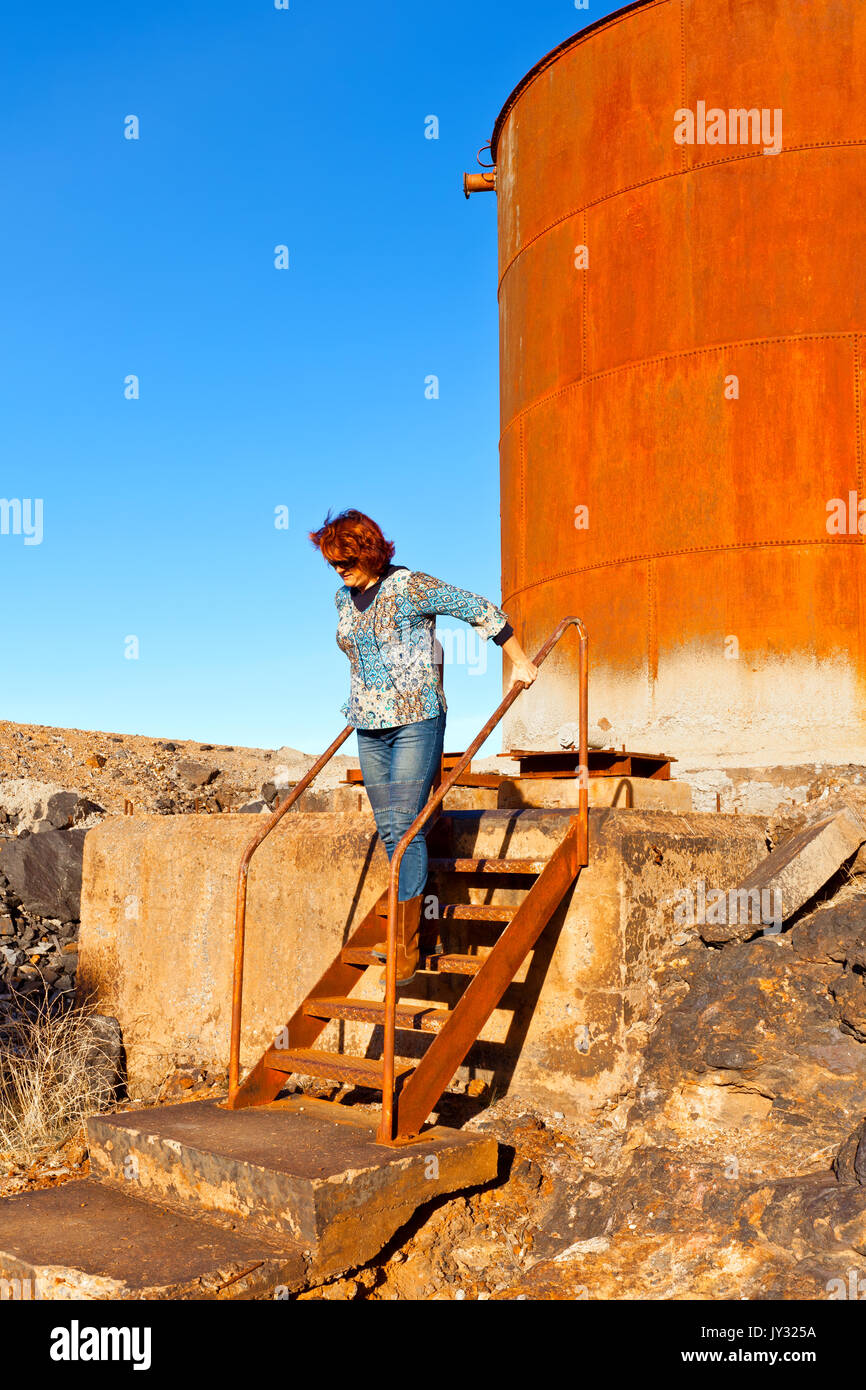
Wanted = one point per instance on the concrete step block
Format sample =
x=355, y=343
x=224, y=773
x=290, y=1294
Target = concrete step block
x=87, y=1240
x=639, y=793
x=790, y=876
x=299, y=1168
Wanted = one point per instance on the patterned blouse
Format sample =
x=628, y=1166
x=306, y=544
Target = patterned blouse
x=390, y=646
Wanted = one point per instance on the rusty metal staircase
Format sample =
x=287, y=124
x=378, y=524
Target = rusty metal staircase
x=411, y=1092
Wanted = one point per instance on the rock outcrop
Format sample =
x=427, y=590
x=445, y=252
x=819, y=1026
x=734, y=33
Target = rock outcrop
x=44, y=873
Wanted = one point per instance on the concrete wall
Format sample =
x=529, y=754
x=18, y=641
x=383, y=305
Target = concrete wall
x=157, y=934
x=157, y=926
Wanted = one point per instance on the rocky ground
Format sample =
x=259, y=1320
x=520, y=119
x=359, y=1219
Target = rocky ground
x=56, y=783
x=735, y=1170
x=119, y=771
x=68, y=1160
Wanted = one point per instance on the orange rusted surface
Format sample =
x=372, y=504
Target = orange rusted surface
x=683, y=337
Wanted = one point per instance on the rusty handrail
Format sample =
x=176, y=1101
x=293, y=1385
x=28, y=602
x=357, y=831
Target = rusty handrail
x=241, y=902
x=386, y=1125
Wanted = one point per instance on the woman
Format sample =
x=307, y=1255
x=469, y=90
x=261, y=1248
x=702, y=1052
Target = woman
x=386, y=626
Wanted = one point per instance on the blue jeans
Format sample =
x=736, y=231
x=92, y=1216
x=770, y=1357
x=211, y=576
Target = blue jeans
x=398, y=766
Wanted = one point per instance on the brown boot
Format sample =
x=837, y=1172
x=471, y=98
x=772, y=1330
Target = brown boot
x=408, y=921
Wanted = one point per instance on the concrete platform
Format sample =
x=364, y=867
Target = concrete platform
x=85, y=1240
x=197, y=1202
x=157, y=930
x=637, y=793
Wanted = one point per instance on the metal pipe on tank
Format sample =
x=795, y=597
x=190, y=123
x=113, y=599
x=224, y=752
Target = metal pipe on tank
x=479, y=183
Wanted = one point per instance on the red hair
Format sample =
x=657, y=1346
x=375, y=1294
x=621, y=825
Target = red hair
x=352, y=535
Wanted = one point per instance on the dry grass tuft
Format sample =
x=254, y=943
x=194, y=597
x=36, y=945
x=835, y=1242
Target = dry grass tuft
x=52, y=1074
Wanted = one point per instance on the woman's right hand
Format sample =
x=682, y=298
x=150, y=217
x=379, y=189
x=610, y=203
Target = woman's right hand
x=524, y=671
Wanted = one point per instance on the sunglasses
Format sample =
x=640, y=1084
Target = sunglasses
x=347, y=564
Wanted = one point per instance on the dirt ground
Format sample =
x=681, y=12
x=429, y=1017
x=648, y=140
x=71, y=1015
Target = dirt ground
x=151, y=774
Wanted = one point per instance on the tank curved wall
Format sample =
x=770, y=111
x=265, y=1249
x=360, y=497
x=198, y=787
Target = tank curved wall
x=683, y=338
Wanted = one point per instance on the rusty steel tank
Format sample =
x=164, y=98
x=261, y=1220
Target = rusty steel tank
x=682, y=291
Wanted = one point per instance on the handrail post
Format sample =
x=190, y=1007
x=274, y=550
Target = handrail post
x=241, y=905
x=583, y=745
x=386, y=1124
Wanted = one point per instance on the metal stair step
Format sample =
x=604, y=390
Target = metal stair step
x=423, y=1018
x=358, y=955
x=488, y=866
x=332, y=1066
x=476, y=912
x=457, y=965
x=483, y=912
x=443, y=964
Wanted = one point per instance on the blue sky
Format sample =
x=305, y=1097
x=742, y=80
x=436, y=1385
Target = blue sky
x=259, y=387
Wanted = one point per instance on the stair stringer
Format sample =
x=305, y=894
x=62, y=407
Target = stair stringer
x=421, y=1091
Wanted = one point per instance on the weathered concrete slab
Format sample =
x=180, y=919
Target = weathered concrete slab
x=575, y=1025
x=791, y=875
x=763, y=790
x=299, y=1168
x=85, y=1240
x=156, y=939
x=352, y=799
x=157, y=931
x=638, y=793
x=197, y=1202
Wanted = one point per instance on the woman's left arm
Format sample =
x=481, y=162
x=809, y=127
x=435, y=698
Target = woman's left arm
x=431, y=596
